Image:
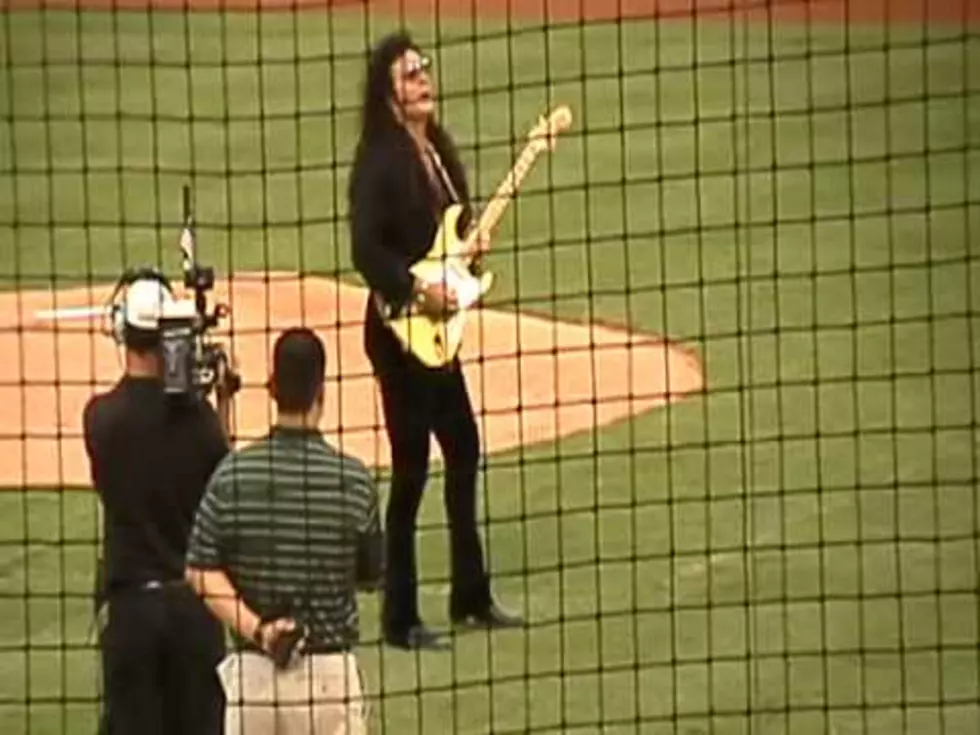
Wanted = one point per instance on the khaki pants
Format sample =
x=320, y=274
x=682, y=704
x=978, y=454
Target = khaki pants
x=321, y=695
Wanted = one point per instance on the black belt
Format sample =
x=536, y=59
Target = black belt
x=309, y=647
x=160, y=584
x=148, y=585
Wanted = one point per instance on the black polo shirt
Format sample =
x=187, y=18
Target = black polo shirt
x=151, y=456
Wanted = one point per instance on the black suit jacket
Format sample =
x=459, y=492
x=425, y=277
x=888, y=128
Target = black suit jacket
x=394, y=217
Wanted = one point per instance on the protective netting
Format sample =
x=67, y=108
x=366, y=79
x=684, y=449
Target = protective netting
x=726, y=380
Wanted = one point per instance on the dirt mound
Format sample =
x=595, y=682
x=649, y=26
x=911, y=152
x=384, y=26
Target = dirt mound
x=532, y=379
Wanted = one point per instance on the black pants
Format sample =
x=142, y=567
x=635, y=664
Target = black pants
x=160, y=650
x=418, y=402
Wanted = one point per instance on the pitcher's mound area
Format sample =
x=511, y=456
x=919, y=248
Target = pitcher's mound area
x=531, y=379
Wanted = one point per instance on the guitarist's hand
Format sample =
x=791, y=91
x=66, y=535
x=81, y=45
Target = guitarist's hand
x=482, y=243
x=437, y=299
x=479, y=246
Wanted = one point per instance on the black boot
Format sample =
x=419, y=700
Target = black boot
x=416, y=637
x=488, y=616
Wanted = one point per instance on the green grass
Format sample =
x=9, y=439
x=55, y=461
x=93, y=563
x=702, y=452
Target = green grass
x=795, y=551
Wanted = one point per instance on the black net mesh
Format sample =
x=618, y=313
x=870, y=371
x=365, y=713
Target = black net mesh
x=726, y=379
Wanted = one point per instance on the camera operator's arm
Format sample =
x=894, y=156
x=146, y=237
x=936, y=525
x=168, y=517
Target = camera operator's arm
x=224, y=415
x=226, y=386
x=91, y=426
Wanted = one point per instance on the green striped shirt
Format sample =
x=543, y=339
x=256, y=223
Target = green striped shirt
x=294, y=524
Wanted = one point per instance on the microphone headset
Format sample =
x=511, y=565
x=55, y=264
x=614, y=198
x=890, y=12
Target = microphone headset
x=120, y=320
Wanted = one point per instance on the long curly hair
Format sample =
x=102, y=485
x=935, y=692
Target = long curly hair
x=377, y=117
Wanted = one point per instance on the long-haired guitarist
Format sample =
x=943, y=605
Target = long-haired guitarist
x=406, y=172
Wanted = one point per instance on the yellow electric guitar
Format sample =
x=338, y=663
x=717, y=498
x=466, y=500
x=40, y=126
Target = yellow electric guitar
x=435, y=341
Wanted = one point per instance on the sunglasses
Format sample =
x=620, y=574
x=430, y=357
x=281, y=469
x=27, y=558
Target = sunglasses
x=415, y=68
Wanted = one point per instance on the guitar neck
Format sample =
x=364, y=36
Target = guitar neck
x=505, y=192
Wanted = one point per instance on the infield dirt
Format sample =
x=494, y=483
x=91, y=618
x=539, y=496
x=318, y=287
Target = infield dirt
x=532, y=379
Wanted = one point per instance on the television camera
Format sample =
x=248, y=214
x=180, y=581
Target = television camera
x=192, y=362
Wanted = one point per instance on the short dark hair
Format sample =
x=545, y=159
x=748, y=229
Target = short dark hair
x=298, y=366
x=142, y=341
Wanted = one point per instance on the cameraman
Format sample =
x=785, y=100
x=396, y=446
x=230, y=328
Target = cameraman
x=151, y=455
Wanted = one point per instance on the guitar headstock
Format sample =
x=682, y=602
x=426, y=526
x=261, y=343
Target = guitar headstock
x=546, y=129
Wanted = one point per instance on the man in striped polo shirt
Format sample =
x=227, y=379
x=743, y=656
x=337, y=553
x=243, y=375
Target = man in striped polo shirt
x=287, y=532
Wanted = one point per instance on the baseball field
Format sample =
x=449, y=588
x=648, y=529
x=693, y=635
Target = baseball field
x=728, y=380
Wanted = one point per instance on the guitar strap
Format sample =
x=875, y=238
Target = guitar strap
x=440, y=169
x=476, y=264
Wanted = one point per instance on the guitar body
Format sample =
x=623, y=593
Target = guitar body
x=436, y=341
